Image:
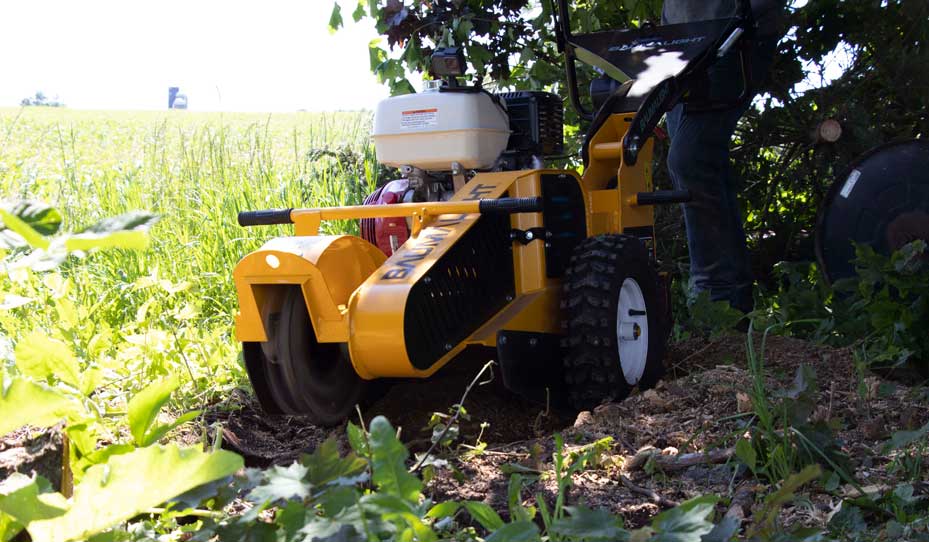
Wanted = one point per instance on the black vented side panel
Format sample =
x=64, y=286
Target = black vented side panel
x=468, y=285
x=564, y=219
x=536, y=122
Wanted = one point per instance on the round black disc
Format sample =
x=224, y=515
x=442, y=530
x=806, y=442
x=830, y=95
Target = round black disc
x=882, y=201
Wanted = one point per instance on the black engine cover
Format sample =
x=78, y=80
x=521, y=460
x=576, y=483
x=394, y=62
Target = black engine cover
x=881, y=201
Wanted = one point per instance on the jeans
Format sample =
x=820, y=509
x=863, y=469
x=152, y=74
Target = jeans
x=698, y=161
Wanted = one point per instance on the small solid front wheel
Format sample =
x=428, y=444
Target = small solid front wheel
x=293, y=373
x=615, y=333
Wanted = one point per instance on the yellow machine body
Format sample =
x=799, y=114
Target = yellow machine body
x=453, y=283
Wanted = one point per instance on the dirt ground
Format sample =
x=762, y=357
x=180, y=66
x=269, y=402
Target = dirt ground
x=700, y=408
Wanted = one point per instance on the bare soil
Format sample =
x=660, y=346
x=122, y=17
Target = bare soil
x=700, y=407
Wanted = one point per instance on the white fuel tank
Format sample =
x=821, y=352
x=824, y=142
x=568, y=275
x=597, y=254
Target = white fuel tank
x=432, y=129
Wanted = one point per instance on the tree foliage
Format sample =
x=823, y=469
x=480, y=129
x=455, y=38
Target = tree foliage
x=881, y=95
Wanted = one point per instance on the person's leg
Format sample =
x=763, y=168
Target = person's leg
x=698, y=161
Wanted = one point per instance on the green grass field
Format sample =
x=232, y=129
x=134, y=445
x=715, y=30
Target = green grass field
x=167, y=309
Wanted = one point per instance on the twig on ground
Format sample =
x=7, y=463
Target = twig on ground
x=454, y=418
x=668, y=463
x=651, y=494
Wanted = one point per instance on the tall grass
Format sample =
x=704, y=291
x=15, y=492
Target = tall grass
x=197, y=170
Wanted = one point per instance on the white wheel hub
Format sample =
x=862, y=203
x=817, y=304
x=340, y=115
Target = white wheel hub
x=632, y=330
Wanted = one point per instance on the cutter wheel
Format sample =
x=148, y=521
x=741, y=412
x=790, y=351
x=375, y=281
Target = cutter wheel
x=882, y=201
x=616, y=339
x=293, y=373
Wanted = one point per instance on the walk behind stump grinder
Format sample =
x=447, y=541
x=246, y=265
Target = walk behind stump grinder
x=478, y=244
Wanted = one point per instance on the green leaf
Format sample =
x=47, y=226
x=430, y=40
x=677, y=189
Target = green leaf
x=484, y=514
x=40, y=356
x=587, y=524
x=34, y=404
x=357, y=439
x=724, y=531
x=443, y=510
x=22, y=499
x=281, y=484
x=326, y=467
x=902, y=439
x=128, y=239
x=24, y=230
x=40, y=216
x=9, y=528
x=160, y=430
x=129, y=484
x=388, y=458
x=685, y=523
x=144, y=408
x=359, y=12
x=335, y=19
x=131, y=221
x=376, y=55
x=745, y=451
x=518, y=531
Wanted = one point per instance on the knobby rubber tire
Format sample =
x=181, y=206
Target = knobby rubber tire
x=294, y=374
x=593, y=280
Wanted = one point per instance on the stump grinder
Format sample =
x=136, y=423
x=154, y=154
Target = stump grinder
x=478, y=244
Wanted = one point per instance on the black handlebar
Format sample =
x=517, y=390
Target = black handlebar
x=267, y=217
x=510, y=205
x=663, y=197
x=270, y=217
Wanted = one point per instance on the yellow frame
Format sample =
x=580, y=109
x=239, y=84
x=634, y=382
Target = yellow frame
x=357, y=296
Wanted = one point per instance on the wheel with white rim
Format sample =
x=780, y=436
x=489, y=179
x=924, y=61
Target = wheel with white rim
x=615, y=338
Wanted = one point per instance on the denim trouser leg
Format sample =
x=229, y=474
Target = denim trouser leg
x=698, y=160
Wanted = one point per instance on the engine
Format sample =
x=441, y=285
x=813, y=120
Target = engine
x=441, y=138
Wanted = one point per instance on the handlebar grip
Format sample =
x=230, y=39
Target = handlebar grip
x=510, y=205
x=266, y=217
x=663, y=197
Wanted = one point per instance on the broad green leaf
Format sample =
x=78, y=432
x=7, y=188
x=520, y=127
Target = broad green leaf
x=144, y=408
x=40, y=216
x=129, y=484
x=41, y=356
x=443, y=510
x=30, y=403
x=128, y=239
x=685, y=523
x=9, y=528
x=398, y=511
x=519, y=531
x=335, y=499
x=133, y=220
x=24, y=230
x=281, y=484
x=388, y=462
x=326, y=467
x=22, y=499
x=335, y=18
x=587, y=524
x=483, y=514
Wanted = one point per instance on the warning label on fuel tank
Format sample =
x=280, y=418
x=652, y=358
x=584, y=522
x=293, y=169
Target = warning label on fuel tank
x=419, y=118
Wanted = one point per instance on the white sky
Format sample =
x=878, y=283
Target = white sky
x=229, y=55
